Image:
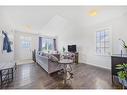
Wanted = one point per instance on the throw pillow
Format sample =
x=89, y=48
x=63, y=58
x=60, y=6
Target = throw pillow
x=53, y=58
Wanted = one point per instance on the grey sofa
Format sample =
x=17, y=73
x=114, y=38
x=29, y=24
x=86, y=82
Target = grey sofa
x=47, y=63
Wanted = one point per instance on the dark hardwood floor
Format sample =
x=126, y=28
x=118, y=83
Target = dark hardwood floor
x=32, y=76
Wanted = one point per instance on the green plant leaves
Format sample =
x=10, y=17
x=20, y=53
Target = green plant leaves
x=122, y=75
x=121, y=66
x=123, y=71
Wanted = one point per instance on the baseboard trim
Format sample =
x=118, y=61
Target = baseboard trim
x=97, y=66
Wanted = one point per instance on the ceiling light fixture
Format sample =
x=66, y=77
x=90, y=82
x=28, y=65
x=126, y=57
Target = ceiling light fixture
x=93, y=13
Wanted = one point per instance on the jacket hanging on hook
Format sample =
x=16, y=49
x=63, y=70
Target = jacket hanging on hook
x=6, y=43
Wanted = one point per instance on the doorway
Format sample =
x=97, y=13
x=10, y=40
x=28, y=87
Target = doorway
x=25, y=43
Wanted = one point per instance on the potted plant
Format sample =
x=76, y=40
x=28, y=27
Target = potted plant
x=122, y=73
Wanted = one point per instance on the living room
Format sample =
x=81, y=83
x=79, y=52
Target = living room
x=96, y=33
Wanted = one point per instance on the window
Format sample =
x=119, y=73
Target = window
x=47, y=44
x=103, y=42
x=25, y=42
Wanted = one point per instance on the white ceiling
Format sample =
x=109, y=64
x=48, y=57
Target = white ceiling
x=34, y=18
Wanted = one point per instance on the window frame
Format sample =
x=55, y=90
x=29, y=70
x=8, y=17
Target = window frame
x=54, y=46
x=48, y=41
x=25, y=42
x=109, y=31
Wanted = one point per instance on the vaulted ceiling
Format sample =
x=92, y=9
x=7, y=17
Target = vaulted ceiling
x=34, y=18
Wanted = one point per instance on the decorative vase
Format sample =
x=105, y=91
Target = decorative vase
x=123, y=82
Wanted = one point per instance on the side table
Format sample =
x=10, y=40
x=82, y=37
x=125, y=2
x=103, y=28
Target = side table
x=6, y=73
x=66, y=64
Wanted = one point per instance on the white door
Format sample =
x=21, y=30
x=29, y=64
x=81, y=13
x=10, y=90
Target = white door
x=25, y=47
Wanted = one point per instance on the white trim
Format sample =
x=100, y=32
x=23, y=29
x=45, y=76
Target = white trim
x=100, y=66
x=110, y=40
x=51, y=37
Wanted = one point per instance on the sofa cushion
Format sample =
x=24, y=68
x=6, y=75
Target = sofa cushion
x=42, y=53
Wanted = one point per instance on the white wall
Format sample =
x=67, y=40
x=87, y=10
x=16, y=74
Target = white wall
x=5, y=57
x=7, y=25
x=118, y=28
x=34, y=45
x=14, y=55
x=67, y=31
x=64, y=30
x=84, y=37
